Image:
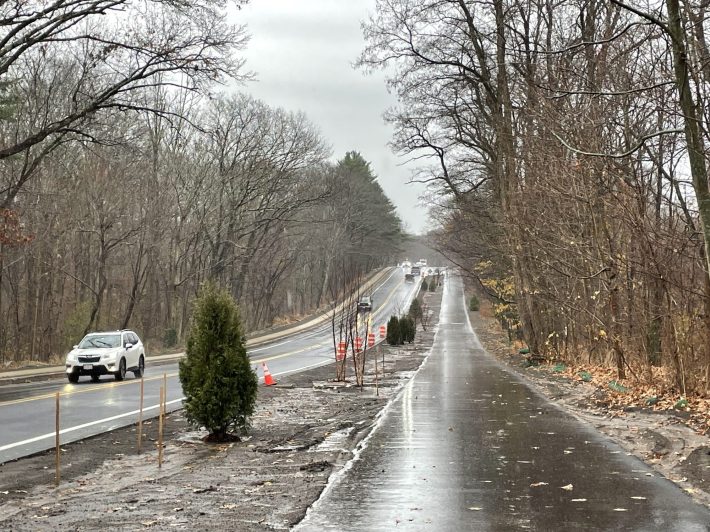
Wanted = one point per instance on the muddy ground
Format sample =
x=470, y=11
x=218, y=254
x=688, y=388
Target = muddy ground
x=304, y=429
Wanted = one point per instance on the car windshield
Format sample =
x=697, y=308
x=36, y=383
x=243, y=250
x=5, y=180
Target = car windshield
x=105, y=341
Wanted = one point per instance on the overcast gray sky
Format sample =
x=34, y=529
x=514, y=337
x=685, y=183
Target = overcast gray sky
x=302, y=52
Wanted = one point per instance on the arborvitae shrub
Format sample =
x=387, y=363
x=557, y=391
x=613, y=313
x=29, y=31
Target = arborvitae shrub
x=216, y=375
x=415, y=310
x=394, y=335
x=408, y=329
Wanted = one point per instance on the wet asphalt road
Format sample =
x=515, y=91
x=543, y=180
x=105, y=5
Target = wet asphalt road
x=27, y=410
x=468, y=446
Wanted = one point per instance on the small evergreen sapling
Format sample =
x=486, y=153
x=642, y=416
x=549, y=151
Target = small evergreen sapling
x=408, y=329
x=216, y=375
x=415, y=311
x=394, y=335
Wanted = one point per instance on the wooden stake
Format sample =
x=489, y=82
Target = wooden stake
x=377, y=387
x=56, y=442
x=160, y=429
x=165, y=392
x=140, y=420
x=165, y=398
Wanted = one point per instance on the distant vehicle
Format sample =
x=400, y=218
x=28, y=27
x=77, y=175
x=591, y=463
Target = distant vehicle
x=106, y=353
x=408, y=278
x=422, y=262
x=416, y=271
x=365, y=304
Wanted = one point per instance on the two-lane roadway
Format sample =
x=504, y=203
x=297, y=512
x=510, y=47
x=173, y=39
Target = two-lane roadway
x=27, y=410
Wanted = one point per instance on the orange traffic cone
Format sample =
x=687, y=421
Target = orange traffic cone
x=268, y=379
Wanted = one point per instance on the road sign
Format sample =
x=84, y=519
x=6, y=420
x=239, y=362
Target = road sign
x=383, y=331
x=340, y=354
x=358, y=343
x=371, y=340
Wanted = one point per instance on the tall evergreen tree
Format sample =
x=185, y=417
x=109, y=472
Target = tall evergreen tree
x=373, y=224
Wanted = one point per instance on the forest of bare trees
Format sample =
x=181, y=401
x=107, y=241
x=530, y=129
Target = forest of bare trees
x=568, y=154
x=128, y=177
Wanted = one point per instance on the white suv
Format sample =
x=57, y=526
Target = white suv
x=104, y=353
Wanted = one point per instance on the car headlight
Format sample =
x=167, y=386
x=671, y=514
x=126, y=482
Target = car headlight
x=71, y=357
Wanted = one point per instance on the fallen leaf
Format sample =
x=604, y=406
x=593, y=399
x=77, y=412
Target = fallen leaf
x=568, y=487
x=536, y=484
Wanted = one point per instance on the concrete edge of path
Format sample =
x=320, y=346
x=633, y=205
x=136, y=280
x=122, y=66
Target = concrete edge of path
x=33, y=374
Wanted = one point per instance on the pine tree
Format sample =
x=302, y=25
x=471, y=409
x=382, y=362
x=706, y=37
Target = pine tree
x=394, y=335
x=408, y=329
x=217, y=379
x=415, y=311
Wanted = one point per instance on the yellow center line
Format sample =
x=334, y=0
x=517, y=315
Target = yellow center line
x=291, y=353
x=83, y=389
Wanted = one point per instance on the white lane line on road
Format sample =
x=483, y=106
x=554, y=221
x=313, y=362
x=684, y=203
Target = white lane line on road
x=270, y=346
x=83, y=426
x=132, y=413
x=408, y=298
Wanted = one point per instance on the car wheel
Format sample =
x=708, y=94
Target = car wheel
x=95, y=377
x=141, y=368
x=73, y=377
x=121, y=373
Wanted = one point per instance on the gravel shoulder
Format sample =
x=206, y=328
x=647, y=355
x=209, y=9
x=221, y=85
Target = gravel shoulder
x=662, y=439
x=303, y=430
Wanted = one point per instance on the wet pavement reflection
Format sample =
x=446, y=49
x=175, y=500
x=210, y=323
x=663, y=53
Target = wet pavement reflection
x=468, y=446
